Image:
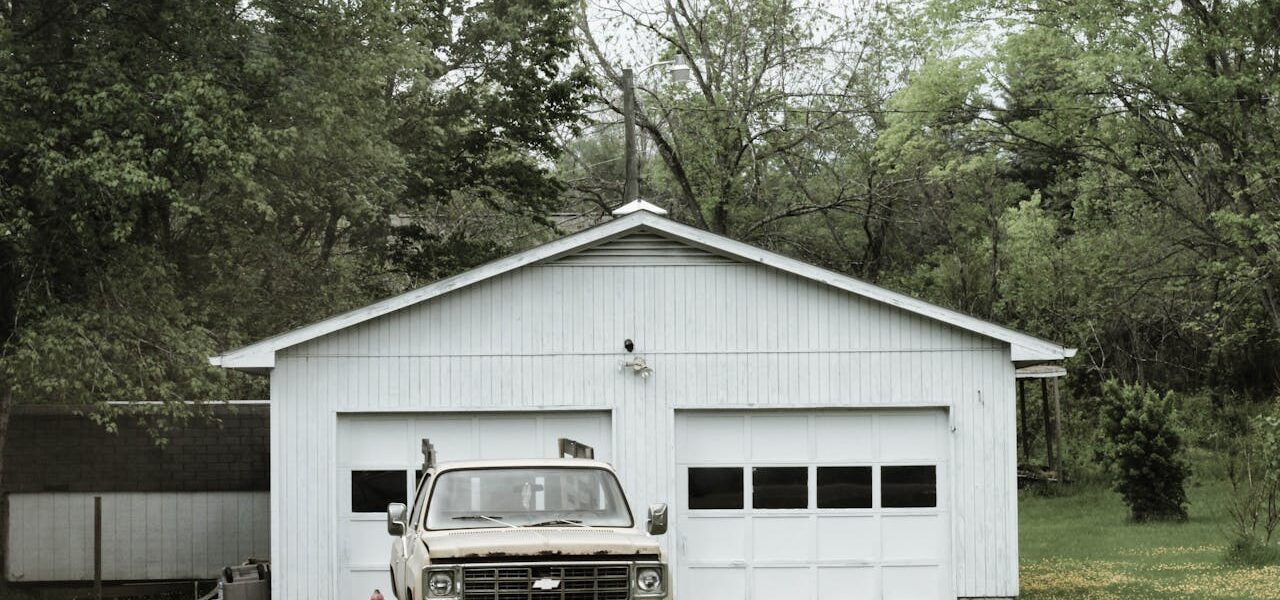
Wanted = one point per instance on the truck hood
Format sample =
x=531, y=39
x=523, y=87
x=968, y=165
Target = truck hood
x=541, y=541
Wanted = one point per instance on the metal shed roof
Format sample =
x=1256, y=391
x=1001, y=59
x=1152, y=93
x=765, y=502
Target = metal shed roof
x=259, y=357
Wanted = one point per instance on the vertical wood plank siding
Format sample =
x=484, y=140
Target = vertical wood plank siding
x=152, y=535
x=717, y=335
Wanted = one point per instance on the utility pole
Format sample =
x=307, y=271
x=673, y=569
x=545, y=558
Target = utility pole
x=678, y=71
x=631, y=190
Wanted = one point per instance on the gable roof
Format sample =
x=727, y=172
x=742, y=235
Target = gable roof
x=259, y=357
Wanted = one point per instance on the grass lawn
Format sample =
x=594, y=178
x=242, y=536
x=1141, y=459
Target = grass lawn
x=1082, y=547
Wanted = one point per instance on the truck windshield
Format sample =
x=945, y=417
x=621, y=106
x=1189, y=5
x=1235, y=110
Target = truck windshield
x=527, y=497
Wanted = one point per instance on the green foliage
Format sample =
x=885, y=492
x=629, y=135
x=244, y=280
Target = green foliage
x=178, y=178
x=771, y=141
x=1144, y=452
x=1253, y=470
x=1147, y=129
x=1097, y=173
x=485, y=140
x=131, y=339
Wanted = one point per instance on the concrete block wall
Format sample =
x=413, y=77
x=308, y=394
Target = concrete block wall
x=50, y=452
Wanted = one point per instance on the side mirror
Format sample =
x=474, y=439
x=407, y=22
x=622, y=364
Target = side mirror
x=396, y=518
x=657, y=519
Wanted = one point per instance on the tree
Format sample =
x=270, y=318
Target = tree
x=1095, y=173
x=1144, y=452
x=477, y=147
x=178, y=178
x=774, y=127
x=1253, y=470
x=113, y=148
x=936, y=144
x=1157, y=116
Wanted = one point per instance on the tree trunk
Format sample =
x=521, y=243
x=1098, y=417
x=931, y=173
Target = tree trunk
x=1271, y=302
x=330, y=235
x=674, y=164
x=993, y=296
x=876, y=228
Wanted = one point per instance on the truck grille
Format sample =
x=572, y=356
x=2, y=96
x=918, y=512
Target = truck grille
x=577, y=582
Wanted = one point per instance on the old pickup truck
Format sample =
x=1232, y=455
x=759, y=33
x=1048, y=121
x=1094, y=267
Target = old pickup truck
x=525, y=529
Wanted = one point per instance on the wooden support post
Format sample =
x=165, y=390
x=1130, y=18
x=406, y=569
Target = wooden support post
x=1057, y=433
x=97, y=547
x=1023, y=432
x=1048, y=423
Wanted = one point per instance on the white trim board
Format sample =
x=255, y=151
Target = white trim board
x=260, y=357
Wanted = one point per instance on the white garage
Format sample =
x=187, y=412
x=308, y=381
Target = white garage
x=816, y=437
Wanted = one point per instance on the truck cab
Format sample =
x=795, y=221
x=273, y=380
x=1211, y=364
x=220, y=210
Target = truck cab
x=531, y=529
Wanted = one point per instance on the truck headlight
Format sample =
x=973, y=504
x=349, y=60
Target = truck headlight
x=440, y=583
x=649, y=580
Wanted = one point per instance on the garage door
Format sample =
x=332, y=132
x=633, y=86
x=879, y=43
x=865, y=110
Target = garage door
x=812, y=505
x=380, y=456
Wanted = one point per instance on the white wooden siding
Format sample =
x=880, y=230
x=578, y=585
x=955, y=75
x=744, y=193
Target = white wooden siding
x=144, y=535
x=550, y=311
x=550, y=337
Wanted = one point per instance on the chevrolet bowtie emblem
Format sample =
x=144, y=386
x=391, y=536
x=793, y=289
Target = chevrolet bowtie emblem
x=546, y=584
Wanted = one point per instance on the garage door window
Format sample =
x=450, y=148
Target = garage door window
x=844, y=487
x=909, y=487
x=372, y=491
x=780, y=487
x=713, y=488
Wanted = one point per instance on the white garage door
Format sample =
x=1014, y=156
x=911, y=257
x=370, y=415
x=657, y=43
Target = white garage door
x=812, y=505
x=379, y=457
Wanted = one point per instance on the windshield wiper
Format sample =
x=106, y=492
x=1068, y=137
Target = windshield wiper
x=495, y=519
x=560, y=522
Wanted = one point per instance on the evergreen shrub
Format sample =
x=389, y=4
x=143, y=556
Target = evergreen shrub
x=1144, y=452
